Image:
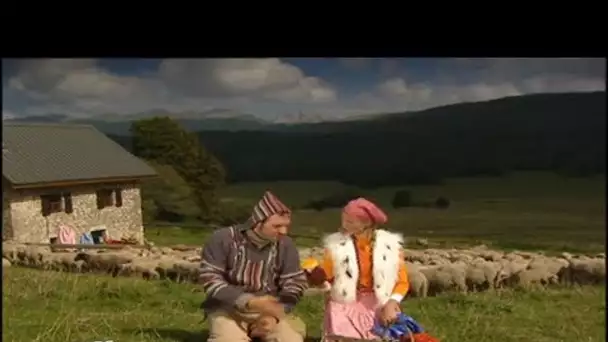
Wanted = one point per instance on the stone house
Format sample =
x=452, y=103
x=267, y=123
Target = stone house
x=73, y=175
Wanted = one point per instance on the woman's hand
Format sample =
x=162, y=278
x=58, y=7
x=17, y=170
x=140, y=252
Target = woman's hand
x=267, y=305
x=389, y=312
x=316, y=277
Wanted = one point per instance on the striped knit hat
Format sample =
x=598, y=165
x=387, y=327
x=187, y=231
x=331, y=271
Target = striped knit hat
x=268, y=206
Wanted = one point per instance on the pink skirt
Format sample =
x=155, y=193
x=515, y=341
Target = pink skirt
x=354, y=320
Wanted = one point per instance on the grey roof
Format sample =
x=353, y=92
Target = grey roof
x=42, y=153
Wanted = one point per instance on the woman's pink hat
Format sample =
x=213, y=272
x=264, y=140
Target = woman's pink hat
x=365, y=209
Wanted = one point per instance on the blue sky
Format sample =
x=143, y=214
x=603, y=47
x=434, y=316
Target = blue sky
x=280, y=89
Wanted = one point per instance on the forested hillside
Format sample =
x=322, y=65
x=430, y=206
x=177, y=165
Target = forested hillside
x=565, y=133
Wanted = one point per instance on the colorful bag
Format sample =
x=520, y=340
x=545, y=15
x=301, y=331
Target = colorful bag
x=405, y=329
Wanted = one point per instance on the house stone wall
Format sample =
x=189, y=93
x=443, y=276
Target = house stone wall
x=29, y=225
x=7, y=229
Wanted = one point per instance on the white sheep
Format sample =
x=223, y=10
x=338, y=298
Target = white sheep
x=155, y=250
x=490, y=255
x=419, y=285
x=586, y=271
x=507, y=268
x=526, y=255
x=481, y=275
x=143, y=268
x=187, y=271
x=445, y=277
x=554, y=266
x=79, y=266
x=106, y=262
x=32, y=255
x=532, y=277
x=165, y=266
x=58, y=261
x=513, y=257
x=11, y=250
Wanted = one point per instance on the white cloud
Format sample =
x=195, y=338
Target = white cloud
x=42, y=75
x=268, y=78
x=80, y=87
x=396, y=94
x=270, y=86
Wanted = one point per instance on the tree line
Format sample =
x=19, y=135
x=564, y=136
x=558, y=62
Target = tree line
x=189, y=175
x=563, y=133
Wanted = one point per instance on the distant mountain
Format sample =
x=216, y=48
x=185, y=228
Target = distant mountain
x=525, y=109
x=49, y=118
x=565, y=133
x=118, y=124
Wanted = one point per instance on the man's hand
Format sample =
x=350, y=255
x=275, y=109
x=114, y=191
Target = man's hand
x=267, y=306
x=263, y=326
x=389, y=312
x=258, y=302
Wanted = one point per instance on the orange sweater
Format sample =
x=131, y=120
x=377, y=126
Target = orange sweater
x=364, y=249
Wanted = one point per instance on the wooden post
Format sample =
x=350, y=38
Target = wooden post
x=84, y=246
x=182, y=248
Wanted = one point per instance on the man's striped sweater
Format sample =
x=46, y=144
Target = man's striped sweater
x=235, y=266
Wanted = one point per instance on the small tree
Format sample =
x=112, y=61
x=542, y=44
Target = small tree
x=401, y=199
x=162, y=140
x=442, y=203
x=170, y=194
x=336, y=200
x=232, y=213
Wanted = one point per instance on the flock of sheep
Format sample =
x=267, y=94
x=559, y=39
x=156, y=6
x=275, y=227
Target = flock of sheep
x=151, y=263
x=431, y=271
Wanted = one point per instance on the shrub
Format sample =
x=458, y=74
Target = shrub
x=442, y=203
x=337, y=200
x=402, y=198
x=231, y=213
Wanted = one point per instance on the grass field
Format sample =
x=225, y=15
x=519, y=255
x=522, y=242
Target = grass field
x=521, y=211
x=60, y=307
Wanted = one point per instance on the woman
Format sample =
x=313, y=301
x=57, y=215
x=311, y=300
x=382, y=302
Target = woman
x=364, y=270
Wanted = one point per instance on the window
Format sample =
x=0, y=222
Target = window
x=98, y=236
x=56, y=203
x=104, y=198
x=109, y=198
x=118, y=197
x=67, y=201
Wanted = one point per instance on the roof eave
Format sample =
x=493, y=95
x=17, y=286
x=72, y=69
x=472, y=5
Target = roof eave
x=75, y=182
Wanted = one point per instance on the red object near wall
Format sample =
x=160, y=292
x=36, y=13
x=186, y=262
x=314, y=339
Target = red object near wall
x=421, y=337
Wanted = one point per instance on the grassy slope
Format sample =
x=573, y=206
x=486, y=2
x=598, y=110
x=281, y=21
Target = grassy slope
x=525, y=211
x=59, y=307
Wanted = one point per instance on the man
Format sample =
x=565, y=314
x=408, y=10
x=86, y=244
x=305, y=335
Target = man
x=252, y=277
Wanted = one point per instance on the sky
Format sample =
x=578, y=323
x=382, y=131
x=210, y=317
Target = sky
x=282, y=89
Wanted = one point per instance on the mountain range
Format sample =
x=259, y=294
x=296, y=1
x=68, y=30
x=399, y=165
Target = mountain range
x=227, y=120
x=565, y=133
x=118, y=124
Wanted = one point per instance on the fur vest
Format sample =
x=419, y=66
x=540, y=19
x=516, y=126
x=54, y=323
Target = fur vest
x=385, y=261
